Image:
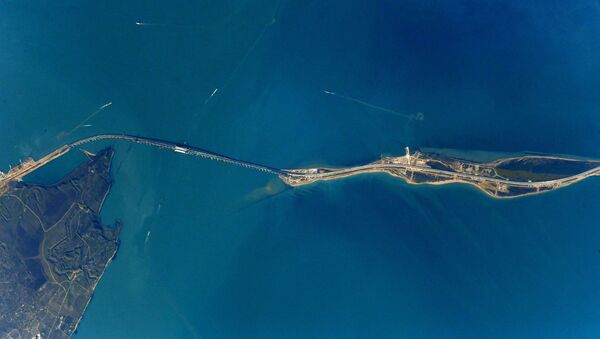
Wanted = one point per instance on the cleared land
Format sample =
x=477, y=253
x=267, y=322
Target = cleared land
x=502, y=178
x=53, y=250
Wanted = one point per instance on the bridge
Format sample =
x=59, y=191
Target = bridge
x=178, y=148
x=299, y=177
x=295, y=177
x=18, y=172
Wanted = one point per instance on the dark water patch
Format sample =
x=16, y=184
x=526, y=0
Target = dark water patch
x=543, y=169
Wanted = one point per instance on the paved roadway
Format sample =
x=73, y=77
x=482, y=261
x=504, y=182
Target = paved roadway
x=286, y=174
x=18, y=173
x=180, y=148
x=465, y=176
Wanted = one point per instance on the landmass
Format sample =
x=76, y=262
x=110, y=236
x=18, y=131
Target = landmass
x=53, y=249
x=503, y=178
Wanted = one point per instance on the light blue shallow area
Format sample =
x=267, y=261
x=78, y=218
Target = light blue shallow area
x=214, y=251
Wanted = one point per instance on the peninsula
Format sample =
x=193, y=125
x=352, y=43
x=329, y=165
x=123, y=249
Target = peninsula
x=502, y=178
x=53, y=250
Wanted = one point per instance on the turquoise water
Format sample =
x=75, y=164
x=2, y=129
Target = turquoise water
x=233, y=253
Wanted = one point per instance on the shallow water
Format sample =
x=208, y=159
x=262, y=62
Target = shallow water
x=215, y=251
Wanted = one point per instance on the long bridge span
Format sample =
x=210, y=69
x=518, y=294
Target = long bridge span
x=297, y=177
x=179, y=148
x=18, y=172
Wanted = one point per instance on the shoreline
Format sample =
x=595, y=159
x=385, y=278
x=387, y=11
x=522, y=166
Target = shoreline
x=414, y=168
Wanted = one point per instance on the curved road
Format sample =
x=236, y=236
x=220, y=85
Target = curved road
x=457, y=175
x=290, y=176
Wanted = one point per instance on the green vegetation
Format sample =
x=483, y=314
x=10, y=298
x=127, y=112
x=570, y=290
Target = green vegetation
x=528, y=175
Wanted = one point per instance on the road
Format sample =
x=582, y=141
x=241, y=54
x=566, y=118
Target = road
x=179, y=148
x=295, y=177
x=335, y=173
x=27, y=167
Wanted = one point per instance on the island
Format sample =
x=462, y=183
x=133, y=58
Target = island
x=508, y=177
x=54, y=250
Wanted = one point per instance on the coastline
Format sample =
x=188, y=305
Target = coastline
x=434, y=168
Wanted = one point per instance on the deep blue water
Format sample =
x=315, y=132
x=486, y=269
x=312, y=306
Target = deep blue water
x=368, y=256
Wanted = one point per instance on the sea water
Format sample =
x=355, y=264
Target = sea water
x=213, y=251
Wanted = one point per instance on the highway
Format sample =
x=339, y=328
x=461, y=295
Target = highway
x=27, y=167
x=292, y=177
x=179, y=148
x=379, y=167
